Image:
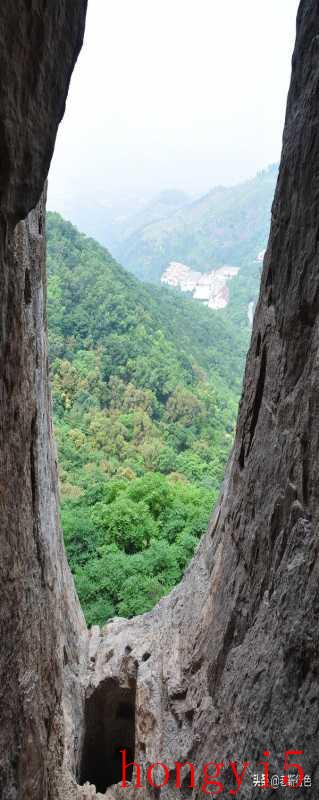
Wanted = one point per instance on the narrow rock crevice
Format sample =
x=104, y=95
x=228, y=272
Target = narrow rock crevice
x=237, y=660
x=258, y=397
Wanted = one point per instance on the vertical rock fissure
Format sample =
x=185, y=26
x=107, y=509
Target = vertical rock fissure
x=258, y=397
x=273, y=647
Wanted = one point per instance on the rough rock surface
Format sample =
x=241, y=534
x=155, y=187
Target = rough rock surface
x=227, y=665
x=40, y=620
x=39, y=44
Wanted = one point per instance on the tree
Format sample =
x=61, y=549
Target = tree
x=125, y=523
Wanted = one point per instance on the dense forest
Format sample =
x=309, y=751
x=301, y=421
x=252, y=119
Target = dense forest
x=145, y=384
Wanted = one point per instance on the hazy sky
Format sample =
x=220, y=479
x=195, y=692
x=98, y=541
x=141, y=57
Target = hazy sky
x=173, y=93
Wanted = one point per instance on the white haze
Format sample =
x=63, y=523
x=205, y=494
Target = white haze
x=173, y=93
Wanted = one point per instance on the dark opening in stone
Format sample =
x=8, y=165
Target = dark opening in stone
x=27, y=288
x=146, y=656
x=109, y=728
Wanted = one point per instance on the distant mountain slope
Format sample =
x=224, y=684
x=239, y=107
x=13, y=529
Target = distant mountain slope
x=92, y=298
x=145, y=384
x=112, y=221
x=227, y=226
x=160, y=207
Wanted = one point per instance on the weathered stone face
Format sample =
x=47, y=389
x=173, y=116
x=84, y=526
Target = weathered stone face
x=41, y=622
x=226, y=667
x=39, y=44
x=40, y=616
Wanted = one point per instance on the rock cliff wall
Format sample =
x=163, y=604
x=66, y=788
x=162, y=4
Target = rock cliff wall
x=225, y=667
x=40, y=621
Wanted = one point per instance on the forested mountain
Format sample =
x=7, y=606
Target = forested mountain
x=159, y=207
x=229, y=225
x=115, y=219
x=146, y=384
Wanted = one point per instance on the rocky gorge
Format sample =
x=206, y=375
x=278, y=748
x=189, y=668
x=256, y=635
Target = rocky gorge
x=225, y=667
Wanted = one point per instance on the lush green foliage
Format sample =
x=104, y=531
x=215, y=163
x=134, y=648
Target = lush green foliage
x=129, y=540
x=145, y=386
